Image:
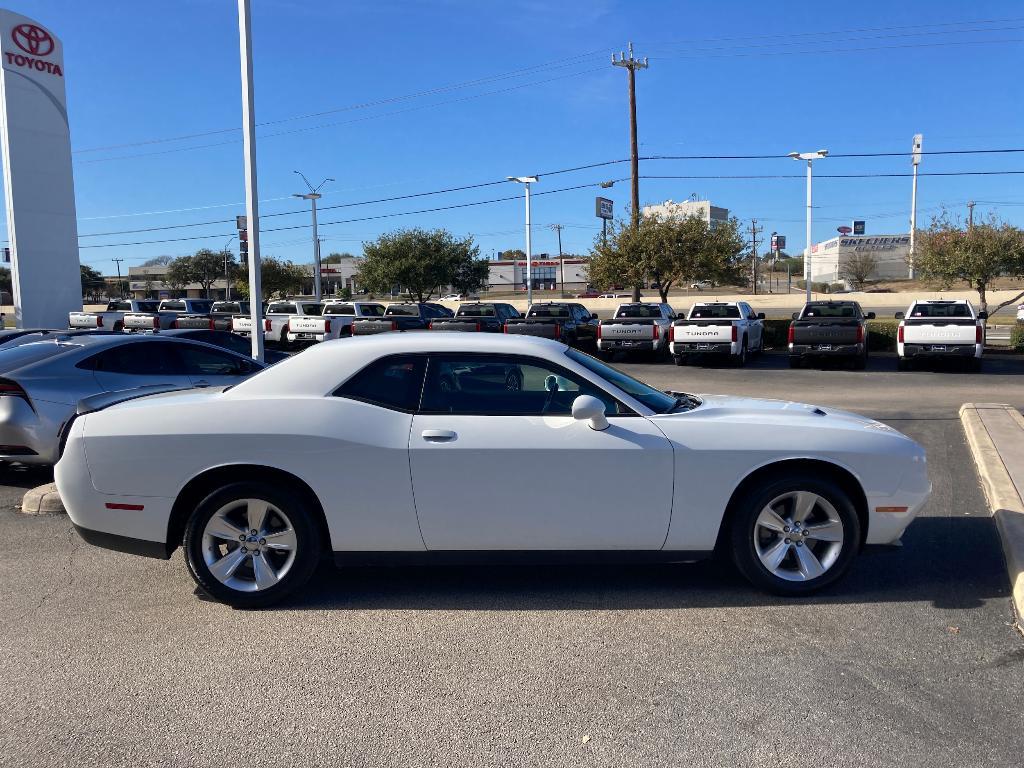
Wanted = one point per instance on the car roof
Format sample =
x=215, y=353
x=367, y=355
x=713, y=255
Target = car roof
x=320, y=368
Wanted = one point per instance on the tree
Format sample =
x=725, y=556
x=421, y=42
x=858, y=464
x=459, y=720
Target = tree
x=92, y=280
x=158, y=261
x=336, y=258
x=858, y=269
x=276, y=277
x=514, y=255
x=976, y=255
x=471, y=276
x=6, y=286
x=669, y=250
x=204, y=267
x=418, y=260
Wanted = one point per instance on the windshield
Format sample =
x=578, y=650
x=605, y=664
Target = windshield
x=654, y=399
x=281, y=309
x=406, y=310
x=339, y=309
x=230, y=306
x=639, y=310
x=940, y=310
x=312, y=309
x=174, y=306
x=714, y=311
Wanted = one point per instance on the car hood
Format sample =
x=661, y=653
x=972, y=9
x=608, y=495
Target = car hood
x=747, y=410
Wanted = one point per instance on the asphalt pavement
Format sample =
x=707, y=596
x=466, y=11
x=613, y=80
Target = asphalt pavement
x=910, y=660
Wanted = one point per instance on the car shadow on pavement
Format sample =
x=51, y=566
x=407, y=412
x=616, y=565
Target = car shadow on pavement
x=953, y=563
x=24, y=475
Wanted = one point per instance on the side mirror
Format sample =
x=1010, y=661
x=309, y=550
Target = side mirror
x=899, y=315
x=796, y=315
x=870, y=316
x=983, y=315
x=760, y=315
x=589, y=408
x=593, y=315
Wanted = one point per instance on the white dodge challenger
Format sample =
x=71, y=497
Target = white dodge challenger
x=441, y=446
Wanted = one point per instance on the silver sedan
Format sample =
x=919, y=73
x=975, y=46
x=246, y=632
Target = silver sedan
x=42, y=382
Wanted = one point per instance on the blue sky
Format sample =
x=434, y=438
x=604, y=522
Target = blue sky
x=727, y=78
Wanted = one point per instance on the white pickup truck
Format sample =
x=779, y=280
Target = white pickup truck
x=335, y=323
x=731, y=328
x=112, y=318
x=166, y=313
x=641, y=327
x=941, y=329
x=276, y=320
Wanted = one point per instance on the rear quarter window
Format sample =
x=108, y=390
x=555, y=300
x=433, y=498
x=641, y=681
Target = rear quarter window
x=393, y=382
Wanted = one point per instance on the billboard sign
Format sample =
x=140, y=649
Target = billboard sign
x=844, y=230
x=38, y=180
x=604, y=208
x=858, y=227
x=778, y=242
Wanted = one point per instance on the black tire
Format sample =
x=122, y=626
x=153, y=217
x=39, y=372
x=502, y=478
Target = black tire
x=307, y=544
x=118, y=327
x=606, y=355
x=795, y=362
x=743, y=525
x=974, y=365
x=860, y=362
x=904, y=364
x=740, y=360
x=679, y=359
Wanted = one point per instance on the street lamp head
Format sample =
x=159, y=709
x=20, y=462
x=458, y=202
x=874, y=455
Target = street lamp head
x=795, y=155
x=809, y=155
x=523, y=179
x=607, y=184
x=822, y=153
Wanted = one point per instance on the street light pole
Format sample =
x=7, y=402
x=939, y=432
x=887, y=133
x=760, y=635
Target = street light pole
x=227, y=277
x=810, y=157
x=313, y=195
x=915, y=160
x=252, y=211
x=526, y=181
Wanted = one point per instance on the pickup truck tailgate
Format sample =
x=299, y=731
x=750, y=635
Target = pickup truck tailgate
x=547, y=329
x=83, y=320
x=455, y=325
x=710, y=331
x=141, y=322
x=841, y=332
x=940, y=331
x=369, y=327
x=624, y=330
x=307, y=324
x=193, y=321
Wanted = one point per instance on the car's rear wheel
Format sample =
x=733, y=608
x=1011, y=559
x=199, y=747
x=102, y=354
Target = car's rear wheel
x=251, y=544
x=740, y=360
x=904, y=364
x=794, y=535
x=795, y=362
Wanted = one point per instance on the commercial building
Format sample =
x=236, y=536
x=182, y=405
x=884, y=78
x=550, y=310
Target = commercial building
x=703, y=209
x=548, y=274
x=891, y=252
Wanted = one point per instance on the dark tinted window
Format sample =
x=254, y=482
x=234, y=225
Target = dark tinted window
x=146, y=306
x=313, y=309
x=476, y=310
x=200, y=361
x=339, y=309
x=282, y=308
x=498, y=385
x=173, y=306
x=405, y=310
x=371, y=310
x=831, y=310
x=940, y=310
x=639, y=310
x=230, y=306
x=714, y=311
x=223, y=339
x=200, y=306
x=140, y=358
x=391, y=382
x=119, y=306
x=550, y=310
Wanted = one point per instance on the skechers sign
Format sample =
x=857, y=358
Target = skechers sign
x=35, y=43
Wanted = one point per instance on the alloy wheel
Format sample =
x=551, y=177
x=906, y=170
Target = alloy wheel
x=798, y=536
x=249, y=545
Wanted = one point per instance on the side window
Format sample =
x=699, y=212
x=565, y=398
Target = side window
x=497, y=385
x=200, y=361
x=141, y=358
x=392, y=382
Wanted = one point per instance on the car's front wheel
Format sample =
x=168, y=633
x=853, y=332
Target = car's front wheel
x=795, y=534
x=251, y=544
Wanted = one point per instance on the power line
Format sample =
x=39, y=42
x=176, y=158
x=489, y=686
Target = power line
x=843, y=50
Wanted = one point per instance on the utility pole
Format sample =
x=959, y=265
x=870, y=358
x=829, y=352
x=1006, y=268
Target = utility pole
x=313, y=195
x=227, y=275
x=120, y=286
x=753, y=253
x=631, y=65
x=561, y=263
x=970, y=214
x=915, y=161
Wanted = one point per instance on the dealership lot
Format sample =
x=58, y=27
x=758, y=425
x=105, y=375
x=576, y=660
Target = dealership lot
x=912, y=659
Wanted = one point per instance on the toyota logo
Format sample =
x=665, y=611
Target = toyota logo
x=32, y=39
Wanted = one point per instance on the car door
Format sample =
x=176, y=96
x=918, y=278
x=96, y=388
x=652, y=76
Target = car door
x=208, y=367
x=137, y=363
x=499, y=463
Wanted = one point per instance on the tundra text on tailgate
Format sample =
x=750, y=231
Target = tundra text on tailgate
x=932, y=329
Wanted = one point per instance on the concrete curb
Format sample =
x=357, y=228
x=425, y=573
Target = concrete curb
x=1003, y=499
x=43, y=500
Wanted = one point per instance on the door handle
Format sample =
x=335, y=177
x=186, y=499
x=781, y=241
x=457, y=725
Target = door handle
x=438, y=435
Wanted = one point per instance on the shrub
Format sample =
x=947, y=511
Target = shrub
x=1017, y=337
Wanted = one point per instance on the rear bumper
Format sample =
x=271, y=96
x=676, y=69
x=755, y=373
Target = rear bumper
x=158, y=549
x=628, y=345
x=944, y=350
x=815, y=350
x=702, y=348
x=27, y=436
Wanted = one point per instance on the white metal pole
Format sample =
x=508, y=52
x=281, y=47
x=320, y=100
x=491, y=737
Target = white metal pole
x=913, y=221
x=317, y=288
x=251, y=196
x=529, y=252
x=807, y=257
